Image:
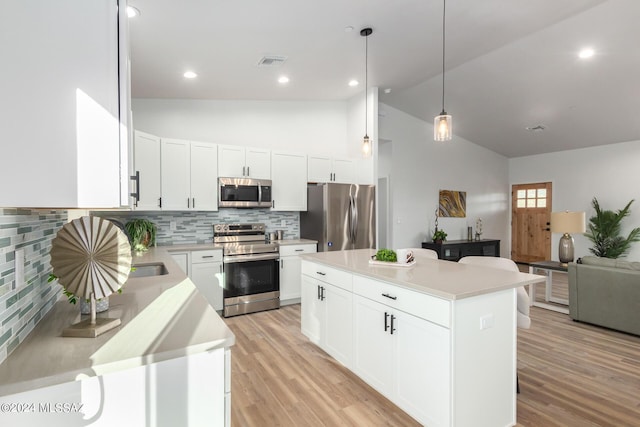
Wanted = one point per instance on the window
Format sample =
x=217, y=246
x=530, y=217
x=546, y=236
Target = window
x=531, y=198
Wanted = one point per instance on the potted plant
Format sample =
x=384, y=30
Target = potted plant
x=439, y=236
x=605, y=232
x=142, y=234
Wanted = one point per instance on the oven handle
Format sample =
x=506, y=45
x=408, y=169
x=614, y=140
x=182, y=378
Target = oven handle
x=249, y=258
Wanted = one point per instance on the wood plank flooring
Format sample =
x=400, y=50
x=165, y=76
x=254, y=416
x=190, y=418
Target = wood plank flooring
x=571, y=374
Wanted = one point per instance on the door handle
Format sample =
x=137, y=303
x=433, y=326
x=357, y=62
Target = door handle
x=392, y=319
x=389, y=296
x=322, y=293
x=386, y=321
x=193, y=203
x=160, y=202
x=188, y=203
x=318, y=291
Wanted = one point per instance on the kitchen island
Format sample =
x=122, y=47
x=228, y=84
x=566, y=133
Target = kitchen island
x=437, y=338
x=167, y=364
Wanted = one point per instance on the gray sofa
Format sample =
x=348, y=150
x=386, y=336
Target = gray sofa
x=605, y=292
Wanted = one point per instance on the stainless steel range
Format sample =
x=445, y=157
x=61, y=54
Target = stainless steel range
x=251, y=270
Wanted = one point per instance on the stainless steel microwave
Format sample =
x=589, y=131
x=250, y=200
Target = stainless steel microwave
x=244, y=193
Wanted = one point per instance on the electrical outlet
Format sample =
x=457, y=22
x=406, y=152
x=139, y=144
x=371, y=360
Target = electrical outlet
x=173, y=226
x=486, y=321
x=19, y=268
x=283, y=223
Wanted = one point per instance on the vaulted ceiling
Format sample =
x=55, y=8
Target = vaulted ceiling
x=509, y=65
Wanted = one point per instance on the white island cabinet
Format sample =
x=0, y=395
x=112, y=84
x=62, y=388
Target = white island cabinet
x=437, y=338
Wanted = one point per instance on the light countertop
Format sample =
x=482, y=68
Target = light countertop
x=439, y=278
x=163, y=317
x=206, y=246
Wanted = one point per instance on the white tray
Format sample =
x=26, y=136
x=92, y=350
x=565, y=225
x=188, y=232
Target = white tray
x=392, y=264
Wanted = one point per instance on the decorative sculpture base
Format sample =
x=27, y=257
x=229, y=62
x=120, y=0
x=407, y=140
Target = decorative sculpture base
x=87, y=329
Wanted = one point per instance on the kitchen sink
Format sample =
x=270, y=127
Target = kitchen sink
x=147, y=270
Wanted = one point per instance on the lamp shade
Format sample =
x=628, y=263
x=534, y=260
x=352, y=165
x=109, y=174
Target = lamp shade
x=568, y=222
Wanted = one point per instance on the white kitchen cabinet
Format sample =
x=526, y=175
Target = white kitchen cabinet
x=146, y=149
x=329, y=169
x=204, y=176
x=182, y=259
x=206, y=273
x=239, y=161
x=174, y=174
x=61, y=103
x=289, y=181
x=328, y=301
x=189, y=175
x=290, y=269
x=404, y=357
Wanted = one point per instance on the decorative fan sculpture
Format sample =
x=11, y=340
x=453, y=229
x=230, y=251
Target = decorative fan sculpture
x=91, y=257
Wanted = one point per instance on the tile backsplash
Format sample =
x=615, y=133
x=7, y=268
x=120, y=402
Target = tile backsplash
x=197, y=227
x=21, y=308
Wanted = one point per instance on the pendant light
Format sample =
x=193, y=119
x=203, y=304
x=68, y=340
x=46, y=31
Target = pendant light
x=366, y=142
x=442, y=123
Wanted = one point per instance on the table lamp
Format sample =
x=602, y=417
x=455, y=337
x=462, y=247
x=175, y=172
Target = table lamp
x=567, y=222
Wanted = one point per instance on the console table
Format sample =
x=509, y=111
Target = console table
x=453, y=250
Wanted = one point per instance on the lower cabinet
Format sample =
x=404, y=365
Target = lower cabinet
x=327, y=318
x=207, y=274
x=290, y=268
x=182, y=259
x=405, y=358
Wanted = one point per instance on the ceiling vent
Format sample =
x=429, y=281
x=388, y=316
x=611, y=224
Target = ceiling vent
x=271, y=61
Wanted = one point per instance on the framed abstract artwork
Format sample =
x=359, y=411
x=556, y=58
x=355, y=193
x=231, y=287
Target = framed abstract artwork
x=452, y=204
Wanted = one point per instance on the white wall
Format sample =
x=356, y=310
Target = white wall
x=611, y=173
x=312, y=127
x=421, y=167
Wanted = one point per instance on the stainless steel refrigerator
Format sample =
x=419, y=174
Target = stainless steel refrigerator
x=340, y=216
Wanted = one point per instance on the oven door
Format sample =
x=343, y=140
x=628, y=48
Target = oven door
x=251, y=274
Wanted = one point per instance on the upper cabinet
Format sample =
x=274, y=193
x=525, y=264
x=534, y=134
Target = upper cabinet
x=66, y=141
x=174, y=174
x=146, y=152
x=289, y=181
x=328, y=169
x=238, y=161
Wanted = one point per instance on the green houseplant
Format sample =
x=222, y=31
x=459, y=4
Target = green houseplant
x=439, y=236
x=605, y=232
x=142, y=234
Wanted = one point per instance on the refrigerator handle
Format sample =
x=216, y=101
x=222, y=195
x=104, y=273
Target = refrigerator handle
x=352, y=219
x=356, y=219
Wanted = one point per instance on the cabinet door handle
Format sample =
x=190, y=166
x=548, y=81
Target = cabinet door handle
x=243, y=170
x=386, y=321
x=389, y=296
x=160, y=202
x=193, y=202
x=220, y=268
x=136, y=178
x=207, y=256
x=188, y=203
x=299, y=250
x=273, y=204
x=318, y=291
x=392, y=319
x=322, y=293
x=248, y=173
x=321, y=273
x=281, y=264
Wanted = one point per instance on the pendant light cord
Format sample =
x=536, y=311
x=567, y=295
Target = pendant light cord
x=444, y=8
x=366, y=81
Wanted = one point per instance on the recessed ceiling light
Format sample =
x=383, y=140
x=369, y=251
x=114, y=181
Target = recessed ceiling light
x=353, y=83
x=387, y=90
x=348, y=29
x=190, y=75
x=586, y=53
x=132, y=12
x=283, y=79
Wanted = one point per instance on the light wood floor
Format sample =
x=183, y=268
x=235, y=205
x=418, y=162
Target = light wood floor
x=571, y=374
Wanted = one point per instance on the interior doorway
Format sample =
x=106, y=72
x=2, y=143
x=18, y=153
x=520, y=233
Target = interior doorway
x=530, y=222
